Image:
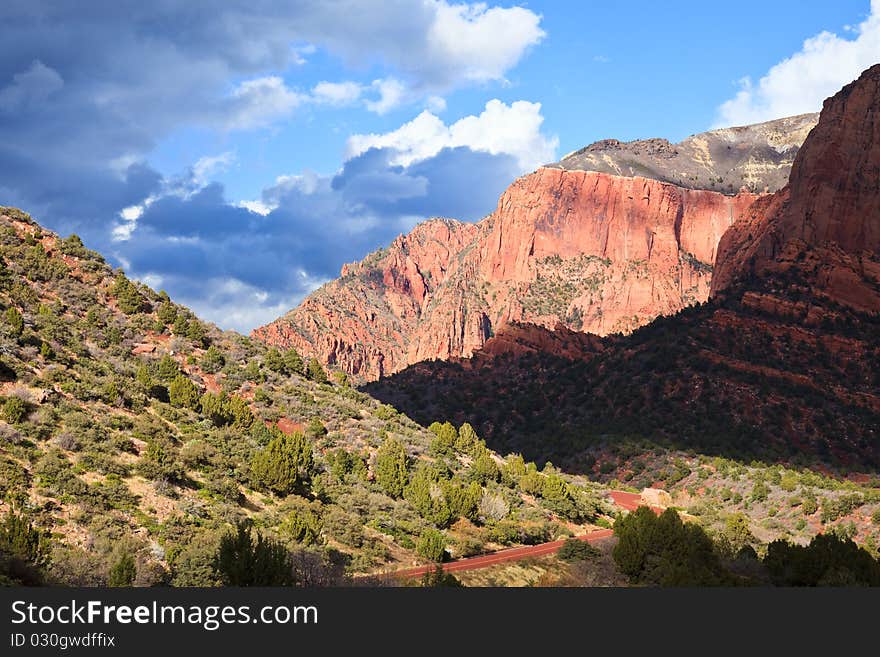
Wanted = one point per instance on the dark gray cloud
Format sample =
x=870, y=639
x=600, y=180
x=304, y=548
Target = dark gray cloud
x=184, y=242
x=89, y=89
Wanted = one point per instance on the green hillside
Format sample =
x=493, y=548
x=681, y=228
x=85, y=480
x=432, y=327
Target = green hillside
x=134, y=437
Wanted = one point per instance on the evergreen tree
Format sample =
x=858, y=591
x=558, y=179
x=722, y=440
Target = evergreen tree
x=238, y=408
x=463, y=501
x=418, y=491
x=736, y=535
x=15, y=321
x=167, y=313
x=123, y=571
x=293, y=362
x=274, y=361
x=181, y=325
x=664, y=551
x=15, y=409
x=253, y=373
x=285, y=465
x=24, y=551
x=304, y=526
x=391, y=464
x=168, y=369
x=195, y=331
x=445, y=438
x=484, y=469
x=128, y=298
x=213, y=360
x=316, y=373
x=315, y=429
x=216, y=408
x=243, y=561
x=828, y=560
x=431, y=545
x=19, y=538
x=513, y=469
x=183, y=393
x=467, y=438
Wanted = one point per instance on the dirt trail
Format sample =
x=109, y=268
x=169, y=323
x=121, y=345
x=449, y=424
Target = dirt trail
x=627, y=501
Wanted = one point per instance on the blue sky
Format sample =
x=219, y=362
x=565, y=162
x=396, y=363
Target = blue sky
x=236, y=154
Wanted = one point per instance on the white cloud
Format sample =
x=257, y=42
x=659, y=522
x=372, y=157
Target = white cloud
x=391, y=92
x=336, y=93
x=211, y=165
x=256, y=103
x=236, y=305
x=801, y=82
x=513, y=129
x=298, y=54
x=435, y=104
x=477, y=43
x=30, y=87
x=122, y=230
x=257, y=207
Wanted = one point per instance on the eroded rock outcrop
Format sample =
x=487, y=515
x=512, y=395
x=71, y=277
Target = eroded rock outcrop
x=587, y=250
x=824, y=228
x=779, y=366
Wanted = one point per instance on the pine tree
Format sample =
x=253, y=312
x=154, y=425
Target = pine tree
x=391, y=463
x=316, y=372
x=123, y=571
x=14, y=410
x=274, y=361
x=183, y=393
x=484, y=469
x=467, y=438
x=15, y=321
x=285, y=465
x=445, y=438
x=181, y=325
x=24, y=551
x=216, y=408
x=418, y=491
x=431, y=545
x=293, y=362
x=20, y=539
x=238, y=408
x=213, y=360
x=195, y=331
x=168, y=369
x=242, y=561
x=167, y=313
x=128, y=298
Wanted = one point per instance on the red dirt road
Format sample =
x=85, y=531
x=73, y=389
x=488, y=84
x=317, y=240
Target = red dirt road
x=627, y=501
x=502, y=556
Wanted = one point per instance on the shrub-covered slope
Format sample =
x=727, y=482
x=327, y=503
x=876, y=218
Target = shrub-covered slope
x=134, y=436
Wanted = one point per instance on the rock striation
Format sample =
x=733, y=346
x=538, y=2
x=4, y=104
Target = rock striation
x=588, y=250
x=779, y=365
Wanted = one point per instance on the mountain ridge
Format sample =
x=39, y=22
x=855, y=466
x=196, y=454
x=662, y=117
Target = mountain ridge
x=590, y=250
x=778, y=363
x=756, y=157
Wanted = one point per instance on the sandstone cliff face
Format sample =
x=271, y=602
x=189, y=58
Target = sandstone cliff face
x=781, y=365
x=825, y=225
x=586, y=250
x=601, y=253
x=363, y=322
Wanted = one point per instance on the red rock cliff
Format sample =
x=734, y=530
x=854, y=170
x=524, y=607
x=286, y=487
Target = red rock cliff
x=590, y=251
x=826, y=223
